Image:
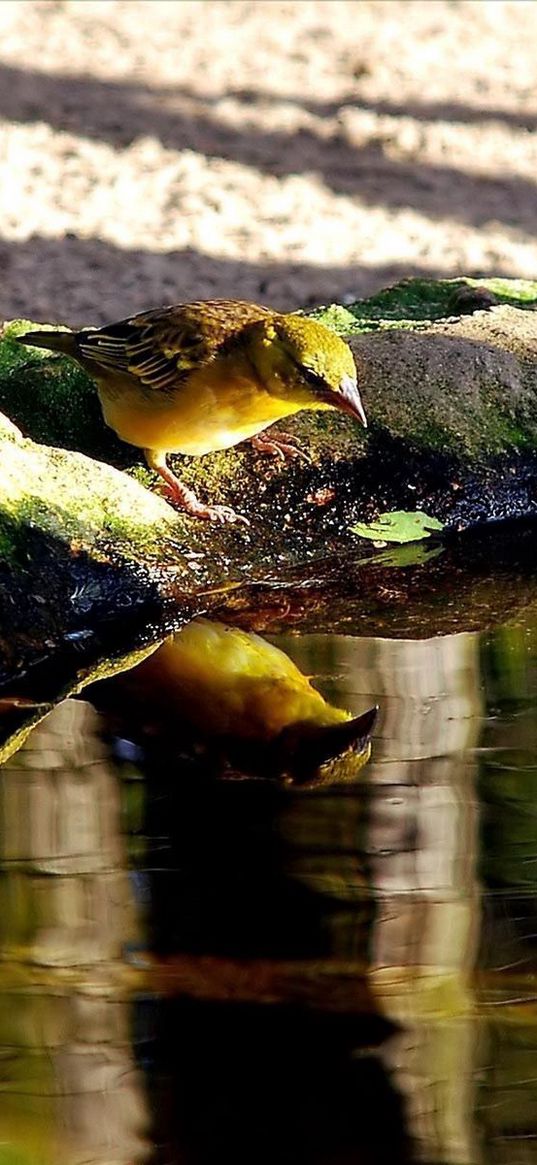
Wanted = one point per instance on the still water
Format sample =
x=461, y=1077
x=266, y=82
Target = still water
x=196, y=971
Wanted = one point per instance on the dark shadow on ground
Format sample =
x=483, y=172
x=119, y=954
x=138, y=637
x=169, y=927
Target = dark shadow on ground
x=121, y=113
x=454, y=111
x=42, y=278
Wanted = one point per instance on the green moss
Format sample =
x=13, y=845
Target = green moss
x=8, y=546
x=69, y=496
x=215, y=473
x=53, y=400
x=517, y=292
x=465, y=387
x=338, y=318
x=478, y=434
x=414, y=301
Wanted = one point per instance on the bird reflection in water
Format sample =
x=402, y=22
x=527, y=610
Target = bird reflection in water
x=241, y=704
x=243, y=763
x=258, y=921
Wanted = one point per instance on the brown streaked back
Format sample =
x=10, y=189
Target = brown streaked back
x=158, y=347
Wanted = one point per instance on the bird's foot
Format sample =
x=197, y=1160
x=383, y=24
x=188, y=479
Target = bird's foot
x=281, y=445
x=186, y=500
x=180, y=495
x=220, y=514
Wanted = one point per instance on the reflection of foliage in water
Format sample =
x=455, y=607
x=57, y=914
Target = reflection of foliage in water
x=508, y=780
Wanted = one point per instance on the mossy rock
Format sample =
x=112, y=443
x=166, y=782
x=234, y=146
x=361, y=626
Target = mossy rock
x=413, y=300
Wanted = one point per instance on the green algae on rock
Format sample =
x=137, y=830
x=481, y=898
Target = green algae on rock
x=416, y=300
x=467, y=385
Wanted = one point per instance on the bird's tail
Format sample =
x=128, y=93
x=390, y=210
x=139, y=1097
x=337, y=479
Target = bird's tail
x=57, y=341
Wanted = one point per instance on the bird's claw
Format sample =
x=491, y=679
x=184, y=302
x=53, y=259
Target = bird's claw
x=187, y=501
x=222, y=514
x=281, y=445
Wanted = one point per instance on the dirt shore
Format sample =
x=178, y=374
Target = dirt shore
x=289, y=152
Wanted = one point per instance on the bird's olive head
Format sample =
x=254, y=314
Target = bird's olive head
x=322, y=361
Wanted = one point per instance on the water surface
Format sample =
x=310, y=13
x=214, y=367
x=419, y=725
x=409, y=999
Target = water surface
x=197, y=970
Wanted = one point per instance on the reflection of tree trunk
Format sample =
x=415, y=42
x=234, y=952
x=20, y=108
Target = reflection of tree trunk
x=423, y=856
x=421, y=848
x=66, y=903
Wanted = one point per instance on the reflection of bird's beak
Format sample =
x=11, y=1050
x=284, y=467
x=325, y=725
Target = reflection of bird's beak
x=364, y=725
x=349, y=400
x=304, y=747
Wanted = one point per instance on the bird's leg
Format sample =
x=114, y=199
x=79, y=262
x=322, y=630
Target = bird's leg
x=185, y=498
x=273, y=443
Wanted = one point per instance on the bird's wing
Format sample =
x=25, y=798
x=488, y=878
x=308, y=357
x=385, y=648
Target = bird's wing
x=161, y=347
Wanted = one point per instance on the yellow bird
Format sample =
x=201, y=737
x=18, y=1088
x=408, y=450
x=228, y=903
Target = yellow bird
x=203, y=376
x=242, y=697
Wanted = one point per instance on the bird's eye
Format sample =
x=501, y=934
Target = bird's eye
x=313, y=379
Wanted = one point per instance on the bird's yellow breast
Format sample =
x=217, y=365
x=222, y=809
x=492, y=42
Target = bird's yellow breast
x=216, y=407
x=228, y=682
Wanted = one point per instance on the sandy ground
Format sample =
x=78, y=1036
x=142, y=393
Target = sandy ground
x=290, y=152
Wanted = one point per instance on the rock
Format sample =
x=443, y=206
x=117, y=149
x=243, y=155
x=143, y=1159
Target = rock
x=453, y=418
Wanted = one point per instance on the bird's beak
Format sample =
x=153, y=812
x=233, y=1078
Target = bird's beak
x=350, y=401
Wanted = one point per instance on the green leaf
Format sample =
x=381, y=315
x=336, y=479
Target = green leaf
x=398, y=526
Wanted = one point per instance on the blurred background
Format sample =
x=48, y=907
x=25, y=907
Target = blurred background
x=286, y=152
